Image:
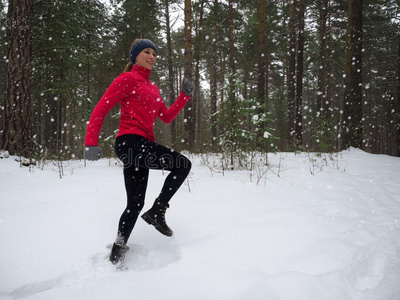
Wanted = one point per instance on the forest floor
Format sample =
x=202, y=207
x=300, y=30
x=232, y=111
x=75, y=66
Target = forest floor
x=307, y=227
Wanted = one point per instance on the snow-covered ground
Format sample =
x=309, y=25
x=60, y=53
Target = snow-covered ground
x=332, y=235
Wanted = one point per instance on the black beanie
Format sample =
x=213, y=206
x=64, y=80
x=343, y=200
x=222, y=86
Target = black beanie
x=139, y=46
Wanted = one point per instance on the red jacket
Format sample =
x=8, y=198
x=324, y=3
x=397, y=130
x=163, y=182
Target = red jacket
x=140, y=102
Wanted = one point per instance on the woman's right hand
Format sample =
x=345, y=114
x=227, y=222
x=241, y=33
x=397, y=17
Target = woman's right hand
x=92, y=152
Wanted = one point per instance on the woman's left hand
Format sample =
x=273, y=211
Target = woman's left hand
x=187, y=87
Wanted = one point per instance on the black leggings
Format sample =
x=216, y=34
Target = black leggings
x=138, y=155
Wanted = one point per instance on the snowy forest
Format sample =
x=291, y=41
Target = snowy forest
x=279, y=75
x=293, y=136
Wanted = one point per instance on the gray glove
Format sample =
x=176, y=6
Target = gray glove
x=92, y=152
x=187, y=87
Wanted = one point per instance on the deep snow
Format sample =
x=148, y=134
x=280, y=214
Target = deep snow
x=332, y=235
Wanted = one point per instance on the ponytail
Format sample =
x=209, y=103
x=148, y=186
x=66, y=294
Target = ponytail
x=130, y=64
x=128, y=67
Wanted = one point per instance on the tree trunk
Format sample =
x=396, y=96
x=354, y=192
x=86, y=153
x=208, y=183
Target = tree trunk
x=170, y=72
x=88, y=66
x=213, y=78
x=62, y=113
x=196, y=100
x=231, y=96
x=49, y=103
x=356, y=131
x=71, y=126
x=266, y=68
x=322, y=105
x=291, y=75
x=345, y=128
x=261, y=50
x=189, y=114
x=299, y=76
x=261, y=65
x=16, y=137
x=328, y=66
x=398, y=102
x=223, y=119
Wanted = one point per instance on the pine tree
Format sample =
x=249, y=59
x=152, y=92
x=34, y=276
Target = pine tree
x=67, y=51
x=291, y=85
x=171, y=92
x=299, y=75
x=17, y=127
x=188, y=71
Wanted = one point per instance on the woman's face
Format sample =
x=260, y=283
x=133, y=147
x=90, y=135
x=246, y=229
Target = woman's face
x=147, y=58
